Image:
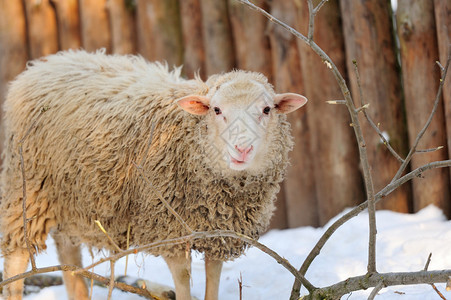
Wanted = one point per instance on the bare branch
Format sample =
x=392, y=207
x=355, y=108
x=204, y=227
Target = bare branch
x=387, y=279
x=311, y=21
x=24, y=189
x=371, y=198
x=358, y=209
x=203, y=235
x=120, y=285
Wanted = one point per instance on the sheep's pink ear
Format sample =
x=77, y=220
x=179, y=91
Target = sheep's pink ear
x=288, y=102
x=194, y=104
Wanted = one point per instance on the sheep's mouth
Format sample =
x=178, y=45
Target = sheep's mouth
x=236, y=161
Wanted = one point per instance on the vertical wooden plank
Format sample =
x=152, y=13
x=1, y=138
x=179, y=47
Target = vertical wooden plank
x=217, y=36
x=68, y=20
x=193, y=43
x=42, y=30
x=442, y=9
x=123, y=27
x=369, y=41
x=13, y=43
x=337, y=176
x=95, y=27
x=300, y=194
x=159, y=31
x=13, y=48
x=418, y=40
x=250, y=39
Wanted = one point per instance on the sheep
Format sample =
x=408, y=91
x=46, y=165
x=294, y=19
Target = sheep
x=216, y=150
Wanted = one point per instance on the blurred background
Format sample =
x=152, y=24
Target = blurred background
x=395, y=46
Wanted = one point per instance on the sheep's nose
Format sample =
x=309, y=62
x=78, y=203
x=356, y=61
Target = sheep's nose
x=244, y=150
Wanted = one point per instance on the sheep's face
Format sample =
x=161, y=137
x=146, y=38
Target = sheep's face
x=240, y=116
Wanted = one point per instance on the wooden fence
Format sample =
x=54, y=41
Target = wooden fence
x=217, y=35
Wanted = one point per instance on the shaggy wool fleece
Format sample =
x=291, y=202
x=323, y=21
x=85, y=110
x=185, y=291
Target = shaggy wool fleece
x=90, y=119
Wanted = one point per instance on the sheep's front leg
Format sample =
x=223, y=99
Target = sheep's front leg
x=213, y=274
x=180, y=268
x=69, y=254
x=15, y=263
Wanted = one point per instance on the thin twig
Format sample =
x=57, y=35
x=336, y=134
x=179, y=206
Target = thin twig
x=274, y=20
x=24, y=196
x=24, y=188
x=376, y=290
x=111, y=285
x=430, y=150
x=413, y=149
x=318, y=7
x=311, y=21
x=363, y=107
x=24, y=210
x=240, y=286
x=428, y=261
x=438, y=292
x=128, y=247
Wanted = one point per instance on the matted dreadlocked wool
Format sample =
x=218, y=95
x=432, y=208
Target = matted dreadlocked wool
x=91, y=118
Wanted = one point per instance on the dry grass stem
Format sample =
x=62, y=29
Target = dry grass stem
x=107, y=235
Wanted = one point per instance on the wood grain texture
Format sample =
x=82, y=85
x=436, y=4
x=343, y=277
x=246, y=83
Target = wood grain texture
x=419, y=51
x=369, y=41
x=333, y=146
x=68, y=21
x=442, y=9
x=193, y=42
x=159, y=31
x=250, y=38
x=95, y=28
x=217, y=37
x=42, y=28
x=123, y=26
x=300, y=193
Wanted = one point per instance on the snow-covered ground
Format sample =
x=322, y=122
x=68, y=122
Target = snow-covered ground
x=403, y=244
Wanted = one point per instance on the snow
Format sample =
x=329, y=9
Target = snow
x=403, y=244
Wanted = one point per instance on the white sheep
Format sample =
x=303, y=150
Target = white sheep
x=91, y=117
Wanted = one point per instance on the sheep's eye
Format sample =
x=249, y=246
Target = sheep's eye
x=217, y=110
x=266, y=110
